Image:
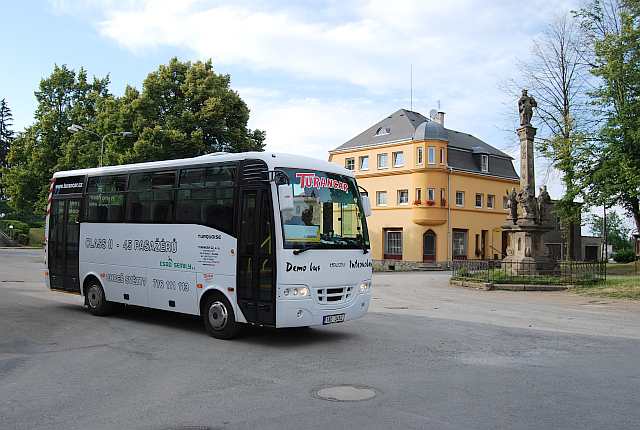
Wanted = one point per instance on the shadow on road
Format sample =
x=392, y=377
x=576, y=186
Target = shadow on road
x=266, y=336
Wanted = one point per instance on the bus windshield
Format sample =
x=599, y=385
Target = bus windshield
x=327, y=212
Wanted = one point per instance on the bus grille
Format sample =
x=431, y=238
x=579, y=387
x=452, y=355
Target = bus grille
x=334, y=295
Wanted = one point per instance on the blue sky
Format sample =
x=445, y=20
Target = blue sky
x=314, y=73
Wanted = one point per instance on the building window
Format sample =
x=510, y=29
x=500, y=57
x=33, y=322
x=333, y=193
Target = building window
x=398, y=159
x=459, y=244
x=381, y=198
x=459, y=198
x=484, y=163
x=393, y=244
x=431, y=155
x=479, y=200
x=382, y=131
x=383, y=160
x=443, y=197
x=442, y=161
x=419, y=155
x=418, y=195
x=350, y=164
x=364, y=162
x=431, y=194
x=490, y=200
x=403, y=197
x=505, y=202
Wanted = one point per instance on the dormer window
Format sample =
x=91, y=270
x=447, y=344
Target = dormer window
x=383, y=131
x=484, y=163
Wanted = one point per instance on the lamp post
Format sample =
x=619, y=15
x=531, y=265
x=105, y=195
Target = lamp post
x=75, y=128
x=11, y=232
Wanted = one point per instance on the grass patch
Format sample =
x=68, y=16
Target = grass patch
x=623, y=269
x=615, y=287
x=499, y=276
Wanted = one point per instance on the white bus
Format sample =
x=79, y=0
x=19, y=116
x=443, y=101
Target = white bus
x=252, y=238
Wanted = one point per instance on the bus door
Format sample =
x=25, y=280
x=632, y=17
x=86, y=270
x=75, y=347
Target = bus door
x=64, y=237
x=256, y=281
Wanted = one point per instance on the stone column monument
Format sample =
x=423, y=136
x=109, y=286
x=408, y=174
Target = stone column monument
x=529, y=217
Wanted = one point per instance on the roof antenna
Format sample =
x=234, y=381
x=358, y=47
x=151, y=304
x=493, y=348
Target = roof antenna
x=438, y=105
x=411, y=85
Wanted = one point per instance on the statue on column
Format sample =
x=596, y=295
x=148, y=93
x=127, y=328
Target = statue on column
x=544, y=205
x=529, y=205
x=526, y=103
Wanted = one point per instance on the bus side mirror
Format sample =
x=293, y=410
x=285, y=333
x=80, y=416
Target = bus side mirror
x=285, y=197
x=366, y=206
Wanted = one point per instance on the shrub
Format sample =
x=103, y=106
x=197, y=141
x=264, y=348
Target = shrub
x=624, y=256
x=19, y=227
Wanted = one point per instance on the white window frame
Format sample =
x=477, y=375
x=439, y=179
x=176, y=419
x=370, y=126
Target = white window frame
x=418, y=194
x=461, y=193
x=431, y=155
x=400, y=203
x=491, y=201
x=419, y=155
x=460, y=242
x=394, y=156
x=505, y=203
x=431, y=194
x=384, y=155
x=353, y=163
x=360, y=159
x=378, y=195
x=484, y=163
x=481, y=200
x=397, y=242
x=442, y=156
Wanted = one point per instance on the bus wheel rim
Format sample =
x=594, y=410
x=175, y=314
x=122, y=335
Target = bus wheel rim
x=94, y=297
x=218, y=315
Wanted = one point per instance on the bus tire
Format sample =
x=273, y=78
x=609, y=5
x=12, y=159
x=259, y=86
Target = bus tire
x=219, y=318
x=96, y=300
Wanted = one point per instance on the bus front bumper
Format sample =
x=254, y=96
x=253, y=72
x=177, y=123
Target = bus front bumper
x=306, y=312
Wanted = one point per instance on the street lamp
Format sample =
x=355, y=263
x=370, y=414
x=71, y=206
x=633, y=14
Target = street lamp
x=11, y=231
x=75, y=128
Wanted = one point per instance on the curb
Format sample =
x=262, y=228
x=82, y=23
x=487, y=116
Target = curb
x=488, y=286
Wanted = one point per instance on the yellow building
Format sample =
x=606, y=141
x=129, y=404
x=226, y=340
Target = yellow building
x=436, y=194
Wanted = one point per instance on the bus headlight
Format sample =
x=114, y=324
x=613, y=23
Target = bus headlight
x=365, y=286
x=296, y=292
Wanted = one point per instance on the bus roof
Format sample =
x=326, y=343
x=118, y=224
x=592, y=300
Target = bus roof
x=272, y=159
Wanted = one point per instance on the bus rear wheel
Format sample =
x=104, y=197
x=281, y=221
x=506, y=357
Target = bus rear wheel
x=219, y=318
x=96, y=300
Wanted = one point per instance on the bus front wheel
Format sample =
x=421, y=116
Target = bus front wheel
x=219, y=318
x=96, y=300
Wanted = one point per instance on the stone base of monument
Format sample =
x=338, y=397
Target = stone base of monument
x=526, y=253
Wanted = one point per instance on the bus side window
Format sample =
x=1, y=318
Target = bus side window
x=105, y=199
x=151, y=197
x=205, y=197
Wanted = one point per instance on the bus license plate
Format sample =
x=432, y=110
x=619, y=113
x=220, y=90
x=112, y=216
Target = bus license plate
x=332, y=319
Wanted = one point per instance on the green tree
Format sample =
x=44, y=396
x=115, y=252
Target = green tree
x=6, y=136
x=618, y=233
x=614, y=178
x=183, y=110
x=64, y=98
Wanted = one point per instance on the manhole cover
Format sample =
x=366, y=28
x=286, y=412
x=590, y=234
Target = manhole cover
x=345, y=393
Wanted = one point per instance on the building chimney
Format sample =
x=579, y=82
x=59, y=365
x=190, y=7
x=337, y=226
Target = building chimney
x=440, y=118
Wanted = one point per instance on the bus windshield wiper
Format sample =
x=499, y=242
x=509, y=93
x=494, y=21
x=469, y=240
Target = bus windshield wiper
x=303, y=249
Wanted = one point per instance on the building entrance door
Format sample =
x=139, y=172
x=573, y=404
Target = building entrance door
x=429, y=246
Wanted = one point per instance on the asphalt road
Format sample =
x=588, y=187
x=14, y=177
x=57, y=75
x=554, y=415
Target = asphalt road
x=439, y=357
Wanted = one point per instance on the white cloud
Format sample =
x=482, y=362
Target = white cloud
x=461, y=50
x=308, y=126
